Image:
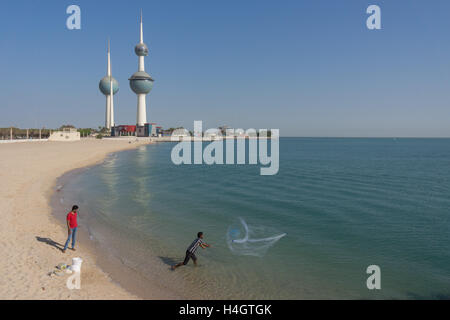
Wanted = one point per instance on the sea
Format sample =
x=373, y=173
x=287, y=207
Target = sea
x=336, y=207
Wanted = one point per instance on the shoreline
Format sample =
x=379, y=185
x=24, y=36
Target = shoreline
x=30, y=235
x=114, y=266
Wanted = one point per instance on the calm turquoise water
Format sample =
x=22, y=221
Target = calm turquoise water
x=344, y=204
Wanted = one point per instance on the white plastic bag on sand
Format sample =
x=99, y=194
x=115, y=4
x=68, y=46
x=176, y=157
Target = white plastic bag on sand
x=76, y=264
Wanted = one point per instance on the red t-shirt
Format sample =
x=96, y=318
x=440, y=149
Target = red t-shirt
x=72, y=218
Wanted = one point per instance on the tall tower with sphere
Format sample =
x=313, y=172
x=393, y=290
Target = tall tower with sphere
x=109, y=87
x=140, y=82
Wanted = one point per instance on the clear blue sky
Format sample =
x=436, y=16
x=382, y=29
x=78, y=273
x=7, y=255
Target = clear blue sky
x=309, y=68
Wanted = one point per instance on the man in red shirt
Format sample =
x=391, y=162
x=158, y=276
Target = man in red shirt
x=72, y=227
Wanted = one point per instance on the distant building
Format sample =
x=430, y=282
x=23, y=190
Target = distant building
x=146, y=130
x=67, y=134
x=180, y=132
x=166, y=133
x=158, y=131
x=123, y=130
x=213, y=134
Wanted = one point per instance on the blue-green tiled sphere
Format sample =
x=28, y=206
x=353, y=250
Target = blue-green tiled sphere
x=105, y=86
x=141, y=49
x=141, y=82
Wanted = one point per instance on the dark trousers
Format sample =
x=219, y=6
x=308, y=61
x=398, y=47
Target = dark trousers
x=189, y=255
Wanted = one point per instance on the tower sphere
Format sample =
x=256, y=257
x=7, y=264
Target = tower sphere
x=105, y=86
x=141, y=50
x=141, y=82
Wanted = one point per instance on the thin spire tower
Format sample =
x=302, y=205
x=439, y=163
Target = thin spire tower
x=142, y=31
x=109, y=87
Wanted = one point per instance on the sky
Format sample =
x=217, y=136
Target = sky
x=305, y=67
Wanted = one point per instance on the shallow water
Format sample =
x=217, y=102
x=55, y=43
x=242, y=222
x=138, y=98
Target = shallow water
x=344, y=204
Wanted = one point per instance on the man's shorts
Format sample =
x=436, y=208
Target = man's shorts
x=189, y=255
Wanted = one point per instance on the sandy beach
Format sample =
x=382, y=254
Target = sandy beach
x=28, y=232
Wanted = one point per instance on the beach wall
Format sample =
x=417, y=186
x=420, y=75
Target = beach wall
x=22, y=140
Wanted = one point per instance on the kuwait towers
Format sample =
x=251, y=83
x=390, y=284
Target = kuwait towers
x=140, y=82
x=109, y=87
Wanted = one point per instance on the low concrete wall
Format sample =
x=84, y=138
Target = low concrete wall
x=22, y=140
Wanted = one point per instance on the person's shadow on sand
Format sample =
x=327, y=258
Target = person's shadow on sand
x=50, y=242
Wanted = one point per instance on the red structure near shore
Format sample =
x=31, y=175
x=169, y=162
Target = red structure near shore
x=124, y=130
